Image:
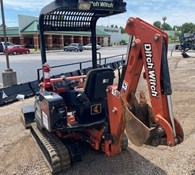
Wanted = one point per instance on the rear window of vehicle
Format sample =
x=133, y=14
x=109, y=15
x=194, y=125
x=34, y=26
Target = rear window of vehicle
x=73, y=44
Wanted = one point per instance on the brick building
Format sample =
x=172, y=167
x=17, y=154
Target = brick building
x=27, y=34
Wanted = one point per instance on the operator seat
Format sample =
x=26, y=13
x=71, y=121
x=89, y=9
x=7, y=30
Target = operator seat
x=97, y=82
x=91, y=104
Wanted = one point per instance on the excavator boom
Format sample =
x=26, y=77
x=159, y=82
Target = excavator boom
x=152, y=124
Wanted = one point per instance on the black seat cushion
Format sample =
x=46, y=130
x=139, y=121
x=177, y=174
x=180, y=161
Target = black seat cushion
x=97, y=82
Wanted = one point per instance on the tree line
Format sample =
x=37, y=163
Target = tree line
x=184, y=28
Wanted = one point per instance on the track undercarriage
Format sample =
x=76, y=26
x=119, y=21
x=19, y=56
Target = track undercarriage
x=55, y=153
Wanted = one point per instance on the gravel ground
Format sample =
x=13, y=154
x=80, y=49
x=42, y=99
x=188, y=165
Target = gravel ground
x=20, y=156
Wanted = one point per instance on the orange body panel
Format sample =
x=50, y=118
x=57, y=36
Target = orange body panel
x=96, y=137
x=117, y=122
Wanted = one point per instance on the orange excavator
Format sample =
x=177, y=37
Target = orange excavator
x=91, y=108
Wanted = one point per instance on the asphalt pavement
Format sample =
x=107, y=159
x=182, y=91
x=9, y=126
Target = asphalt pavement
x=26, y=65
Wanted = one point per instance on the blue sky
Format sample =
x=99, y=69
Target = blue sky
x=176, y=11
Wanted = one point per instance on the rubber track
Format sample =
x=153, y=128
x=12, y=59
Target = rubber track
x=54, y=151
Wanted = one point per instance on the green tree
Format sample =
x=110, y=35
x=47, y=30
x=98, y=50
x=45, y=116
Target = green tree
x=176, y=36
x=157, y=24
x=188, y=28
x=122, y=29
x=177, y=28
x=166, y=26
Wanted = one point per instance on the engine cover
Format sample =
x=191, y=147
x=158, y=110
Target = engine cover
x=50, y=111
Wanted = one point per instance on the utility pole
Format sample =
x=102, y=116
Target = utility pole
x=8, y=75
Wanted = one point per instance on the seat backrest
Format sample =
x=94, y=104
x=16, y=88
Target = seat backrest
x=97, y=82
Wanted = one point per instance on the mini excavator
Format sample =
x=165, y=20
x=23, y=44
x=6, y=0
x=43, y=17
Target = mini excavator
x=91, y=108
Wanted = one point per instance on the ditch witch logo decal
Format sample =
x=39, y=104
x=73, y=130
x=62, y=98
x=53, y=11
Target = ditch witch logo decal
x=151, y=70
x=96, y=109
x=102, y=4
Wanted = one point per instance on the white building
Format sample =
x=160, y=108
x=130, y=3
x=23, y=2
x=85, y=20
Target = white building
x=115, y=35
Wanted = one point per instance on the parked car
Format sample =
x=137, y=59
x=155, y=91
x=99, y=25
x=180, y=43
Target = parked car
x=17, y=49
x=74, y=47
x=89, y=47
x=2, y=46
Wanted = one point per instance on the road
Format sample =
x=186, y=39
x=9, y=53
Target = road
x=26, y=65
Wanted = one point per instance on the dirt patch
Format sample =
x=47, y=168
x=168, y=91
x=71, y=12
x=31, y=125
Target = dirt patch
x=19, y=154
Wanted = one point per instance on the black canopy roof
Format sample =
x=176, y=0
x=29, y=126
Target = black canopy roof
x=65, y=15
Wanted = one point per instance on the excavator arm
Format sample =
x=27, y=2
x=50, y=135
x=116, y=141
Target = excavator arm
x=145, y=124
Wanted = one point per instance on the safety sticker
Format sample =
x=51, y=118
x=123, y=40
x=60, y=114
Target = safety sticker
x=124, y=86
x=115, y=93
x=4, y=95
x=96, y=109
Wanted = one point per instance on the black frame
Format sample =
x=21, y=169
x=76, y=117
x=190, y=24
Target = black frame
x=64, y=15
